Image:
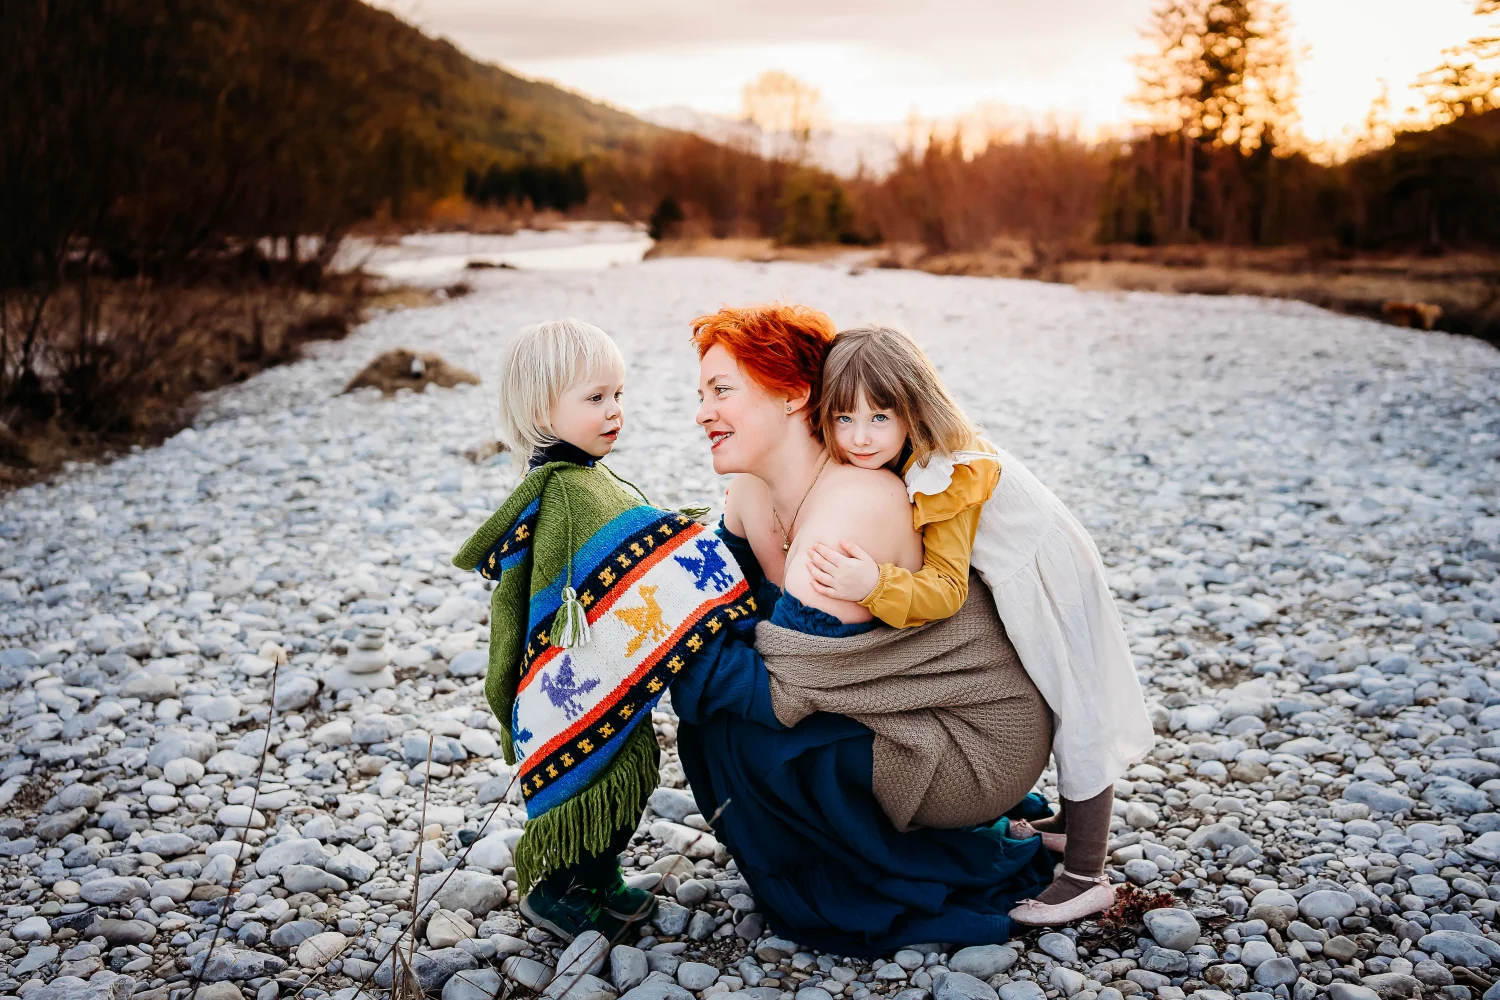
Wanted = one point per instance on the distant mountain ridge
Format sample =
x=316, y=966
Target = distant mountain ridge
x=842, y=149
x=480, y=108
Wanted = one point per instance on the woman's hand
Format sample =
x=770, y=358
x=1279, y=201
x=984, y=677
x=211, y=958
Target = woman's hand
x=849, y=575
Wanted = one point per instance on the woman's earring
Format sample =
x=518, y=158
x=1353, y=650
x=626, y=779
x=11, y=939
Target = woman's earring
x=789, y=407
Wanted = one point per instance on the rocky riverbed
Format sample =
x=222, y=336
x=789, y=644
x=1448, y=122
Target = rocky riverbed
x=1299, y=514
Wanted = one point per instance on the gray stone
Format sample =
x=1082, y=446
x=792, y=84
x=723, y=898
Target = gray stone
x=1321, y=904
x=197, y=745
x=1022, y=989
x=114, y=889
x=290, y=935
x=1256, y=953
x=696, y=976
x=317, y=951
x=1378, y=797
x=1172, y=928
x=296, y=851
x=101, y=986
x=1486, y=846
x=1348, y=991
x=984, y=960
x=1216, y=836
x=1430, y=887
x=38, y=956
x=59, y=825
x=1059, y=946
x=231, y=964
x=1472, y=950
x=584, y=957
x=627, y=967
x=121, y=932
x=433, y=968
x=673, y=804
x=1394, y=985
x=306, y=878
x=657, y=991
x=473, y=984
x=960, y=986
x=671, y=918
x=1277, y=972
x=463, y=890
x=352, y=865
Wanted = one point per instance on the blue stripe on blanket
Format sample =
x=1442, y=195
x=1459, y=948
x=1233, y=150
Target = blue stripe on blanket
x=513, y=546
x=545, y=602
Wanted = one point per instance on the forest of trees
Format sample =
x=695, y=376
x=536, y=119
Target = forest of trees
x=155, y=145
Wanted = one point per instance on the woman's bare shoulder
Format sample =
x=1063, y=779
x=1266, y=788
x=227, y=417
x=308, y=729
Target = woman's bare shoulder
x=868, y=507
x=879, y=489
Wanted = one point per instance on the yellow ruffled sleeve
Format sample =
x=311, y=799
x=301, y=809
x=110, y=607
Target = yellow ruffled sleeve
x=948, y=522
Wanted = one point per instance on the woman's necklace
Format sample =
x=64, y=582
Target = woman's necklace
x=786, y=536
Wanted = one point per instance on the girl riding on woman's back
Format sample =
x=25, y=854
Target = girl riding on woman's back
x=978, y=507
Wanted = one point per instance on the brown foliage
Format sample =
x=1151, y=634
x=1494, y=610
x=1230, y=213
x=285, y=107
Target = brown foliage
x=1131, y=904
x=1422, y=315
x=1043, y=189
x=405, y=369
x=117, y=363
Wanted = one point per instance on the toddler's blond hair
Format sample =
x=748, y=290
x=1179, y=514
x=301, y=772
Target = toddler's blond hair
x=542, y=362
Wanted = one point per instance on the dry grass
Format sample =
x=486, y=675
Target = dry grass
x=157, y=349
x=760, y=250
x=401, y=368
x=1463, y=288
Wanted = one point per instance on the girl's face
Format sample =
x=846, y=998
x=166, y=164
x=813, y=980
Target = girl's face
x=589, y=416
x=869, y=438
x=743, y=421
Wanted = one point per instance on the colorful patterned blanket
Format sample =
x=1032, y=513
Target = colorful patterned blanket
x=652, y=585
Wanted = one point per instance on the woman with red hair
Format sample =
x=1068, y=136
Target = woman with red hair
x=851, y=842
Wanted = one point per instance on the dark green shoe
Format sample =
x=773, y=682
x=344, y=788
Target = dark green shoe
x=624, y=903
x=570, y=914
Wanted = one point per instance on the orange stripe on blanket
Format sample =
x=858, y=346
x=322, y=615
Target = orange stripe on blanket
x=661, y=650
x=642, y=566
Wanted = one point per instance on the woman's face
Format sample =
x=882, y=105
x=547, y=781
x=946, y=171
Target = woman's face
x=743, y=421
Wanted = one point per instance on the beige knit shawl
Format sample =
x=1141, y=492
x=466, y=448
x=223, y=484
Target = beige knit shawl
x=961, y=733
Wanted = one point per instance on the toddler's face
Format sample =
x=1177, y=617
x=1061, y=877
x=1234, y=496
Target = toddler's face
x=589, y=415
x=870, y=438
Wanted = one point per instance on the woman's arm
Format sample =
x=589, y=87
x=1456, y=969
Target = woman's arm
x=727, y=675
x=903, y=599
x=732, y=518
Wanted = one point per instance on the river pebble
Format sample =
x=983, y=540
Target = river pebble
x=1299, y=523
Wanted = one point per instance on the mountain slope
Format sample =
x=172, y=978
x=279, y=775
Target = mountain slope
x=480, y=110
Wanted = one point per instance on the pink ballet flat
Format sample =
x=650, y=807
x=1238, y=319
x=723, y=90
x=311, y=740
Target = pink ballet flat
x=1034, y=913
x=1054, y=842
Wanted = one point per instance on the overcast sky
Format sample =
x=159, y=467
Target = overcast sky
x=879, y=60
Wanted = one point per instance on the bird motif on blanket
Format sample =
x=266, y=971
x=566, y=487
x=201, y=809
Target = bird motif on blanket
x=646, y=621
x=520, y=735
x=563, y=689
x=710, y=569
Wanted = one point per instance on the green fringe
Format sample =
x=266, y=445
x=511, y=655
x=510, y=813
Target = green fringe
x=583, y=825
x=696, y=511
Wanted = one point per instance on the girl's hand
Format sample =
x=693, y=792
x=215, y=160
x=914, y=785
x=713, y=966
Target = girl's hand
x=849, y=575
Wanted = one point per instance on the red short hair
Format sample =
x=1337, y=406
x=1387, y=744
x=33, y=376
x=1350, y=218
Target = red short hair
x=781, y=347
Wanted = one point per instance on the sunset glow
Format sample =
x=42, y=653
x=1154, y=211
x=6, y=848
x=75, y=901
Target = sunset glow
x=880, y=62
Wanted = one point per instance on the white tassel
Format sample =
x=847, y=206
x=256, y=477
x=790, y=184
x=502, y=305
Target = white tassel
x=571, y=626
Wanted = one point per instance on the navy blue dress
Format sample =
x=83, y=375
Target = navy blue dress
x=797, y=809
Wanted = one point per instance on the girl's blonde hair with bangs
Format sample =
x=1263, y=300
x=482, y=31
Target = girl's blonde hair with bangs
x=885, y=366
x=541, y=363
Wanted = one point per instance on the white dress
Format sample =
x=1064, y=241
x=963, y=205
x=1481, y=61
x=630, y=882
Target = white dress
x=1045, y=573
